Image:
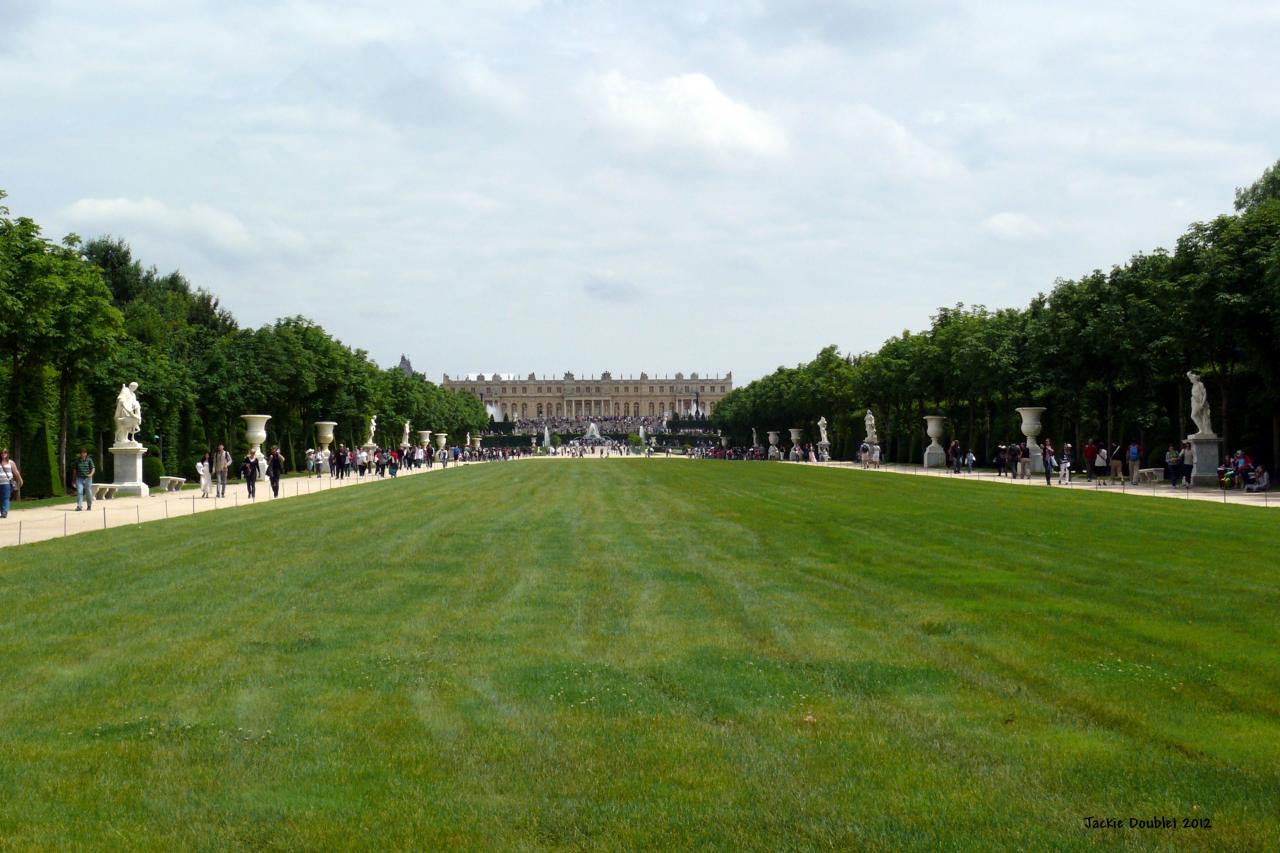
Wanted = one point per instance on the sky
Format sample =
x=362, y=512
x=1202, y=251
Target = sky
x=524, y=186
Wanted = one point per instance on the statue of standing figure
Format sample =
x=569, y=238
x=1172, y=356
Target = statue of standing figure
x=870, y=421
x=404, y=441
x=128, y=413
x=1200, y=406
x=373, y=429
x=822, y=429
x=755, y=442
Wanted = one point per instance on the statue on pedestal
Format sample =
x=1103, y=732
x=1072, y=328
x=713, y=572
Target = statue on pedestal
x=373, y=429
x=822, y=429
x=404, y=441
x=870, y=421
x=128, y=414
x=1200, y=406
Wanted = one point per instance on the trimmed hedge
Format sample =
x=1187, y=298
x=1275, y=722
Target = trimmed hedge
x=152, y=470
x=40, y=466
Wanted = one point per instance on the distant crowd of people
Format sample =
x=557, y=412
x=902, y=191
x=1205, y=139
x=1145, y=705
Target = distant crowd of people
x=579, y=425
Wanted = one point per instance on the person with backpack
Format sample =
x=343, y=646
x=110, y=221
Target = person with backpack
x=1049, y=461
x=1014, y=452
x=1134, y=455
x=1100, y=458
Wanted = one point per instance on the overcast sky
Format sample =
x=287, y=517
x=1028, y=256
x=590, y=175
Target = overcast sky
x=511, y=185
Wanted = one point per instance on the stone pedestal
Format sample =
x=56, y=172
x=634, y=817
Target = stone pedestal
x=128, y=469
x=324, y=435
x=824, y=451
x=1031, y=428
x=935, y=455
x=1208, y=450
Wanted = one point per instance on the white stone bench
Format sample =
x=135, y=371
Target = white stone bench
x=103, y=491
x=1150, y=475
x=172, y=484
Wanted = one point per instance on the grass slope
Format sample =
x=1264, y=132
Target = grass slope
x=624, y=654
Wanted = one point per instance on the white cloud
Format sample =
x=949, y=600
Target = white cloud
x=1012, y=226
x=687, y=111
x=883, y=139
x=202, y=226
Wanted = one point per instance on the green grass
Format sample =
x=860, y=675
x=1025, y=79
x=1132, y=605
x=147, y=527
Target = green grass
x=641, y=653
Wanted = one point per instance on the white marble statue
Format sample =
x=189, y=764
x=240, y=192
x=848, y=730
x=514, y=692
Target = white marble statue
x=755, y=442
x=822, y=429
x=128, y=413
x=1200, y=405
x=373, y=429
x=870, y=421
x=404, y=441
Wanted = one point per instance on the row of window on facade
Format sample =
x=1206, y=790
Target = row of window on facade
x=593, y=407
x=634, y=389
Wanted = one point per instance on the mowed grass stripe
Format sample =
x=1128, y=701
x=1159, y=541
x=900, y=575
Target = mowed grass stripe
x=646, y=653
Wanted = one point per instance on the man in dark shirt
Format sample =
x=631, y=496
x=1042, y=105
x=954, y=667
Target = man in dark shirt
x=84, y=479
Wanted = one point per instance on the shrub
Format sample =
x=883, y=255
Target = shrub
x=40, y=466
x=152, y=470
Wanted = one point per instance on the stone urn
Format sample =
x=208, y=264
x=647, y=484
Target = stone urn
x=440, y=439
x=324, y=434
x=255, y=430
x=1031, y=429
x=773, y=438
x=424, y=438
x=796, y=435
x=475, y=441
x=935, y=455
x=724, y=441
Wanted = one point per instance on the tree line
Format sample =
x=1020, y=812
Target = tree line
x=79, y=319
x=1106, y=353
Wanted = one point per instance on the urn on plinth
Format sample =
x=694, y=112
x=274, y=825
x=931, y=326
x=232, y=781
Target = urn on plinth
x=424, y=438
x=475, y=441
x=935, y=455
x=1031, y=428
x=797, y=435
x=441, y=437
x=255, y=430
x=324, y=434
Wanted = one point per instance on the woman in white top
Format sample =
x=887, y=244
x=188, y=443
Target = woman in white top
x=206, y=475
x=9, y=477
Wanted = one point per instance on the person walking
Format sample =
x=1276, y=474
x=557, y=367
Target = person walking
x=9, y=477
x=1135, y=461
x=1100, y=458
x=1090, y=454
x=275, y=470
x=249, y=471
x=1186, y=464
x=84, y=479
x=1064, y=465
x=1117, y=463
x=1049, y=461
x=1014, y=452
x=221, y=464
x=204, y=472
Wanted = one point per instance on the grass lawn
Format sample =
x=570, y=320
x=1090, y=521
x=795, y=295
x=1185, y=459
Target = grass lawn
x=643, y=653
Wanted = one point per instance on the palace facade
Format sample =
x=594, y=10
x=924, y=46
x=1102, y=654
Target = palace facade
x=506, y=396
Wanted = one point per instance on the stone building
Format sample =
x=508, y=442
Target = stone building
x=506, y=395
